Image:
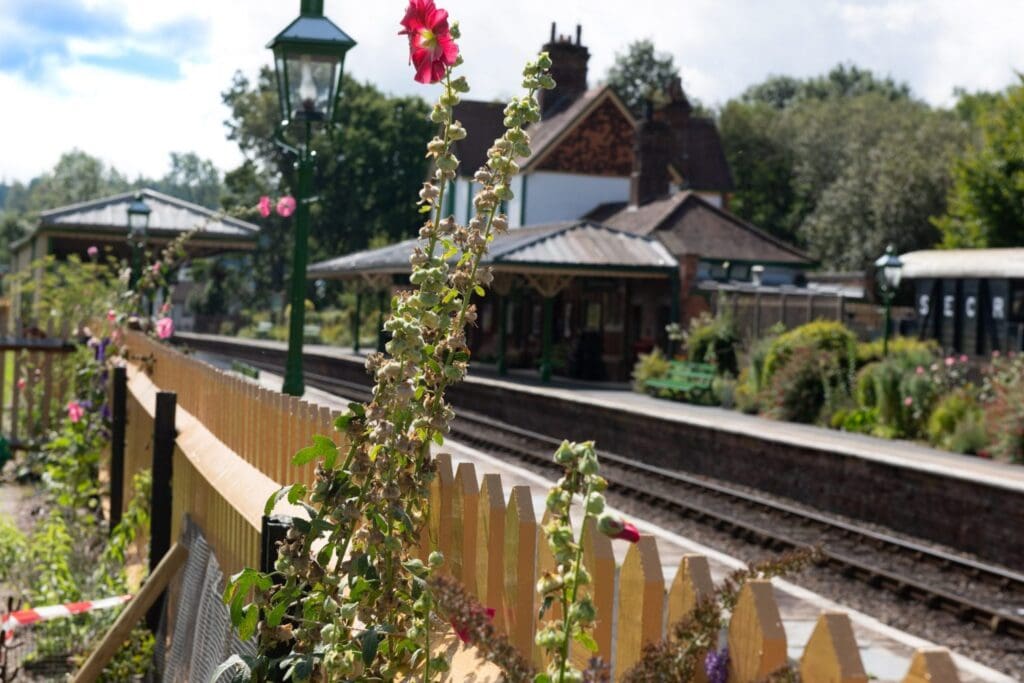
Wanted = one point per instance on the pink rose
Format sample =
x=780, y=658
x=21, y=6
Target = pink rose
x=264, y=206
x=285, y=206
x=963, y=357
x=995, y=354
x=156, y=268
x=75, y=411
x=93, y=252
x=164, y=327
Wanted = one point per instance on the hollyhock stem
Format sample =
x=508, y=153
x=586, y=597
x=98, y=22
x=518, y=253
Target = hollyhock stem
x=569, y=595
x=446, y=136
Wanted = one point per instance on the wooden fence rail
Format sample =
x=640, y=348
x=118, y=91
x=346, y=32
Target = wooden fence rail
x=233, y=449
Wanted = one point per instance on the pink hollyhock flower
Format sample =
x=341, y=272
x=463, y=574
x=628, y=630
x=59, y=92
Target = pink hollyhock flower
x=463, y=632
x=21, y=383
x=908, y=401
x=156, y=268
x=919, y=370
x=950, y=360
x=431, y=46
x=264, y=206
x=164, y=328
x=995, y=354
x=963, y=357
x=116, y=336
x=166, y=308
x=93, y=252
x=285, y=206
x=618, y=528
x=111, y=315
x=75, y=411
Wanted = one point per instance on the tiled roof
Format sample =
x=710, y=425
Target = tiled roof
x=168, y=215
x=700, y=157
x=484, y=123
x=573, y=244
x=687, y=223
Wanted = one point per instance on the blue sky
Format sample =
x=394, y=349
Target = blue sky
x=132, y=81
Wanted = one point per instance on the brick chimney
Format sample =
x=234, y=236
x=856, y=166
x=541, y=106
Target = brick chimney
x=676, y=112
x=651, y=156
x=568, y=68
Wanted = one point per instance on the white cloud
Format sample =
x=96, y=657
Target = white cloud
x=721, y=47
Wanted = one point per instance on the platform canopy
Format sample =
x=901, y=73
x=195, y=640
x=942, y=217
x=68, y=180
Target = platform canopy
x=100, y=222
x=574, y=248
x=964, y=263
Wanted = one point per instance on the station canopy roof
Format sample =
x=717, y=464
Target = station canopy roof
x=964, y=263
x=576, y=247
x=106, y=219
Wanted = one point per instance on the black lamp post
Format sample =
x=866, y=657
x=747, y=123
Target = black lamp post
x=138, y=225
x=308, y=58
x=889, y=271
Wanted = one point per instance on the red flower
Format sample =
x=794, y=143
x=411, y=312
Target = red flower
x=264, y=206
x=629, y=533
x=431, y=46
x=463, y=632
x=617, y=528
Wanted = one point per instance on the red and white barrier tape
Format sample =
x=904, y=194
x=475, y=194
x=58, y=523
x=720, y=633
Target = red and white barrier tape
x=25, y=617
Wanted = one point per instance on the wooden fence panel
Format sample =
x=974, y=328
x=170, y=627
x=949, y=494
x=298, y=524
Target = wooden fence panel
x=465, y=516
x=757, y=642
x=489, y=586
x=641, y=603
x=599, y=560
x=520, y=568
x=932, y=665
x=831, y=653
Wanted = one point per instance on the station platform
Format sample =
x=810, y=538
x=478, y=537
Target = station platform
x=885, y=651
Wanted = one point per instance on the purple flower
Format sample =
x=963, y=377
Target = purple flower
x=716, y=665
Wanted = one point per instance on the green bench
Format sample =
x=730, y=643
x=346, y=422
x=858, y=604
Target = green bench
x=692, y=379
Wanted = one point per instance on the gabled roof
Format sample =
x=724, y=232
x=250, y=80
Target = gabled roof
x=689, y=224
x=579, y=245
x=699, y=156
x=169, y=216
x=484, y=122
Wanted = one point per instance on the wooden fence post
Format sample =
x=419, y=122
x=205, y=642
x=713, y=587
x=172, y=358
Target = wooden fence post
x=691, y=584
x=831, y=653
x=272, y=531
x=441, y=509
x=164, y=435
x=520, y=567
x=641, y=603
x=757, y=642
x=118, y=420
x=465, y=496
x=932, y=665
x=599, y=560
x=489, y=586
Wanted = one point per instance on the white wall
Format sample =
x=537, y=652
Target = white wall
x=552, y=197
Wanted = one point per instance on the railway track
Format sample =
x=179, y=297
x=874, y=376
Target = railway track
x=974, y=591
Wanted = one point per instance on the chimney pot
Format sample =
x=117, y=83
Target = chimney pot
x=569, y=69
x=579, y=34
x=552, y=31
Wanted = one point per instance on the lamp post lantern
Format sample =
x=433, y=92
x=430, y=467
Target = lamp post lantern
x=889, y=271
x=138, y=226
x=308, y=58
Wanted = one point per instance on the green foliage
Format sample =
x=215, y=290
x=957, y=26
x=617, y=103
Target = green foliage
x=1002, y=396
x=641, y=74
x=858, y=420
x=714, y=340
x=802, y=387
x=823, y=335
x=917, y=351
x=955, y=420
x=724, y=390
x=844, y=164
x=653, y=365
x=986, y=204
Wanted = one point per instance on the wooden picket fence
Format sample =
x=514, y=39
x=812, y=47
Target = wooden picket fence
x=233, y=450
x=33, y=380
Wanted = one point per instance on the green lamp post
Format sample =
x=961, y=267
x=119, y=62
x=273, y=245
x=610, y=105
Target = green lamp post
x=138, y=226
x=889, y=271
x=308, y=57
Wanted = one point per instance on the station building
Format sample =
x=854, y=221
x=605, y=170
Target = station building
x=614, y=223
x=969, y=300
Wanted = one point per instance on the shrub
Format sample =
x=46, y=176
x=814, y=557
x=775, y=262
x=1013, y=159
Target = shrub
x=1003, y=401
x=859, y=420
x=724, y=390
x=949, y=413
x=970, y=437
x=823, y=335
x=714, y=340
x=651, y=365
x=922, y=350
x=799, y=388
x=747, y=396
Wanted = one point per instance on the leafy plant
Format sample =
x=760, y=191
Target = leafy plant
x=714, y=340
x=649, y=366
x=801, y=389
x=823, y=335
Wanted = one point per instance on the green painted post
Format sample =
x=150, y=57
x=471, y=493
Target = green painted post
x=502, y=334
x=888, y=324
x=674, y=308
x=294, y=383
x=355, y=321
x=545, y=360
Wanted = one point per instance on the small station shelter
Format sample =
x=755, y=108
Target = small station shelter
x=570, y=297
x=970, y=300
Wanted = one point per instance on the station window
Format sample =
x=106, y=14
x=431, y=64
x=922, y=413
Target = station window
x=1016, y=309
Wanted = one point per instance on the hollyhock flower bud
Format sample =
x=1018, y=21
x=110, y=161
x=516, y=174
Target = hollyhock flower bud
x=617, y=528
x=285, y=206
x=264, y=206
x=436, y=559
x=93, y=252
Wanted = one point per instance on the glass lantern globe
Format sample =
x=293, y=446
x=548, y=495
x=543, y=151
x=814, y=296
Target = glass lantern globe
x=308, y=59
x=890, y=269
x=138, y=217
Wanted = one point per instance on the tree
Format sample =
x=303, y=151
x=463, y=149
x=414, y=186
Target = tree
x=641, y=74
x=193, y=179
x=368, y=169
x=986, y=204
x=844, y=80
